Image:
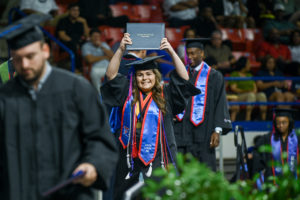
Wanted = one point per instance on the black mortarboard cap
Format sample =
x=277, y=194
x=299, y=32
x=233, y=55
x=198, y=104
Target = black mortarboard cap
x=24, y=31
x=285, y=112
x=195, y=42
x=146, y=63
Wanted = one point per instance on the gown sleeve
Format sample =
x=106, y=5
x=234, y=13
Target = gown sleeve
x=178, y=91
x=99, y=147
x=222, y=117
x=115, y=91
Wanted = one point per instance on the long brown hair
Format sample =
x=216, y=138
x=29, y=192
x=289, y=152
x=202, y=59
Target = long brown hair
x=156, y=92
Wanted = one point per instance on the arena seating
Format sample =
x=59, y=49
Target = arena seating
x=251, y=56
x=111, y=34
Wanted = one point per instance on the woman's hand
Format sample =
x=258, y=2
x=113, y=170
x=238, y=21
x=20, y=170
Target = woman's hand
x=178, y=64
x=125, y=41
x=165, y=45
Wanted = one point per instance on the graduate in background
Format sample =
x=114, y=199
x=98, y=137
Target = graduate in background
x=282, y=139
x=147, y=139
x=52, y=124
x=198, y=128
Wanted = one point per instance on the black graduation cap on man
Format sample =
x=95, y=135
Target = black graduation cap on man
x=195, y=42
x=24, y=31
x=146, y=63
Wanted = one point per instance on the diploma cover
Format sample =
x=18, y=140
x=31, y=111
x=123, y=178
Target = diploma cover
x=63, y=184
x=145, y=35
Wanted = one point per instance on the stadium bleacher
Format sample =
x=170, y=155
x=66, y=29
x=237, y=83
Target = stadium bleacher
x=244, y=41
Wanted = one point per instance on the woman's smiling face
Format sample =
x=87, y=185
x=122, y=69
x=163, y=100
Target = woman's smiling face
x=145, y=80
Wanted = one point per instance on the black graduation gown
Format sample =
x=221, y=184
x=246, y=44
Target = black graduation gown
x=43, y=141
x=176, y=93
x=261, y=161
x=216, y=115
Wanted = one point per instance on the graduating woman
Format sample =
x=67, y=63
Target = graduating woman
x=283, y=138
x=146, y=137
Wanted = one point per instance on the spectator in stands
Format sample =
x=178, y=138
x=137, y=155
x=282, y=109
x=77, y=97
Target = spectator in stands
x=295, y=45
x=206, y=19
x=180, y=12
x=220, y=52
x=128, y=1
x=295, y=18
x=273, y=47
x=211, y=62
x=296, y=86
x=260, y=10
x=188, y=33
x=284, y=27
x=6, y=6
x=97, y=54
x=72, y=30
x=276, y=91
x=235, y=13
x=32, y=6
x=289, y=7
x=98, y=13
x=246, y=90
x=216, y=6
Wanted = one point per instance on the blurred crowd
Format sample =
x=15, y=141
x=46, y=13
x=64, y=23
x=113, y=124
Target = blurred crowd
x=242, y=39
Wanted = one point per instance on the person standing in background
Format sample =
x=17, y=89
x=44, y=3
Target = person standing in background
x=52, y=124
x=73, y=30
x=98, y=54
x=206, y=117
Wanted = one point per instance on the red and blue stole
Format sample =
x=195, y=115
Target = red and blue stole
x=149, y=131
x=292, y=152
x=199, y=101
x=151, y=118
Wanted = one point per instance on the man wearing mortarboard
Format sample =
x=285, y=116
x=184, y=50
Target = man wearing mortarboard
x=198, y=128
x=283, y=138
x=52, y=124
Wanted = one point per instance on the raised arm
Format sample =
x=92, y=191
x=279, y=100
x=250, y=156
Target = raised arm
x=179, y=66
x=114, y=64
